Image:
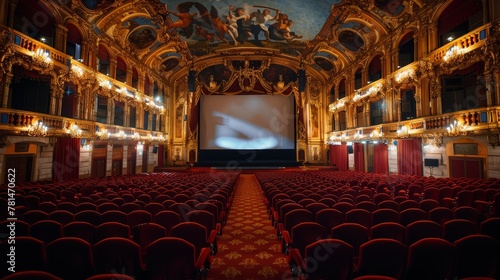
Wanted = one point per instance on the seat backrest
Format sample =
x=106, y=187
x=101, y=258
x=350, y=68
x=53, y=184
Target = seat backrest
x=170, y=258
x=332, y=259
x=83, y=230
x=119, y=255
x=29, y=254
x=167, y=219
x=353, y=234
x=193, y=233
x=46, y=230
x=70, y=258
x=112, y=229
x=458, y=228
x=477, y=256
x=431, y=258
x=389, y=230
x=329, y=218
x=422, y=229
x=382, y=256
x=306, y=233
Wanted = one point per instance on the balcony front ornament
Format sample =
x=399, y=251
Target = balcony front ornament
x=492, y=140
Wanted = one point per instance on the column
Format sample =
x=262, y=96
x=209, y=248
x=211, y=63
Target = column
x=6, y=91
x=418, y=100
x=112, y=68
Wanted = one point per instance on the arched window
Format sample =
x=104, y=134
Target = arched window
x=406, y=50
x=375, y=69
x=458, y=19
x=74, y=42
x=342, y=89
x=121, y=70
x=103, y=60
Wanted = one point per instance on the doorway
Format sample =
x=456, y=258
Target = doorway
x=468, y=167
x=23, y=166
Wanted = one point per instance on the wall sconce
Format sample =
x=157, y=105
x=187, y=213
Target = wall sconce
x=38, y=129
x=42, y=58
x=74, y=131
x=403, y=131
x=456, y=128
x=452, y=53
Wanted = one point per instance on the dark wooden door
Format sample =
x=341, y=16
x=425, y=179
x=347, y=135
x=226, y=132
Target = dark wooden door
x=99, y=167
x=116, y=167
x=131, y=162
x=23, y=166
x=468, y=167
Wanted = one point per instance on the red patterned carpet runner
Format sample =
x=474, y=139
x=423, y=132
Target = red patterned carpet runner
x=248, y=247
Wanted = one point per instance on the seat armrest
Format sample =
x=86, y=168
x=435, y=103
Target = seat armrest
x=286, y=241
x=204, y=260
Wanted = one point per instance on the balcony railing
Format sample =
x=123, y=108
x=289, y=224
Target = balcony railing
x=471, y=122
x=18, y=122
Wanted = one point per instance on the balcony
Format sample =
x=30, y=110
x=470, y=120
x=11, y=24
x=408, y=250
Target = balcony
x=22, y=123
x=471, y=122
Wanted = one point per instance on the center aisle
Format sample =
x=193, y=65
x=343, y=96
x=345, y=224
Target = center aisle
x=248, y=247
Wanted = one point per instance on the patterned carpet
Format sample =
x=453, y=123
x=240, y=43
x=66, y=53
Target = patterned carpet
x=248, y=247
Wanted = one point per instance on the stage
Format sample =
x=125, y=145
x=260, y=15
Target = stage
x=244, y=169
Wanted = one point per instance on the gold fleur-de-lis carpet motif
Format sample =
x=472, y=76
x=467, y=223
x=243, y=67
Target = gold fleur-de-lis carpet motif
x=248, y=247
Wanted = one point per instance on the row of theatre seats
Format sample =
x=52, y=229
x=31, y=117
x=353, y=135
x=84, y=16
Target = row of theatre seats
x=147, y=226
x=353, y=225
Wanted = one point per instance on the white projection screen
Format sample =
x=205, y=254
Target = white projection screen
x=250, y=128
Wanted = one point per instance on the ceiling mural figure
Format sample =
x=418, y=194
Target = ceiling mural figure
x=392, y=7
x=240, y=23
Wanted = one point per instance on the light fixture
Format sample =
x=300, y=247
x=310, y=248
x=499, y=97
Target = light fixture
x=450, y=39
x=452, y=53
x=42, y=58
x=403, y=131
x=37, y=130
x=456, y=128
x=74, y=130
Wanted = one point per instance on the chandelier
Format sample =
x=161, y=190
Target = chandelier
x=37, y=130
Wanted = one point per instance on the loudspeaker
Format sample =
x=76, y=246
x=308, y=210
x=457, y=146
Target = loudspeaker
x=192, y=81
x=301, y=77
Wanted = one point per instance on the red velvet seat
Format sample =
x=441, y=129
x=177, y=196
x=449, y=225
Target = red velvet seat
x=431, y=258
x=477, y=256
x=175, y=258
x=112, y=229
x=329, y=218
x=118, y=255
x=386, y=257
x=70, y=258
x=79, y=229
x=46, y=230
x=389, y=230
x=29, y=254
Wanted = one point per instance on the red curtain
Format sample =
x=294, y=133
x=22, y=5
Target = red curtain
x=66, y=162
x=410, y=157
x=359, y=157
x=339, y=156
x=193, y=121
x=161, y=155
x=380, y=158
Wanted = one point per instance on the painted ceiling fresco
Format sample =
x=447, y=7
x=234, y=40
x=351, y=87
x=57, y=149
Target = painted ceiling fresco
x=331, y=33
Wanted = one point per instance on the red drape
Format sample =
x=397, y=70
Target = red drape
x=410, y=157
x=161, y=155
x=359, y=156
x=66, y=162
x=339, y=156
x=380, y=158
x=193, y=121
